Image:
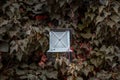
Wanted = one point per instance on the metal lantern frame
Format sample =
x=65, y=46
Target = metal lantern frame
x=59, y=40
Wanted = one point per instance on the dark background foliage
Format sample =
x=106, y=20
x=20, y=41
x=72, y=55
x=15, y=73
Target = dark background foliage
x=24, y=29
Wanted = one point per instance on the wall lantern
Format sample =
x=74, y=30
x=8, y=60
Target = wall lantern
x=59, y=40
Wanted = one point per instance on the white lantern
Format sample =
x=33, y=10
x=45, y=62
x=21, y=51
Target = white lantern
x=59, y=40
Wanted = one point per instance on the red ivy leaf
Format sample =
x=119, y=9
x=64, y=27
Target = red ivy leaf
x=40, y=17
x=43, y=58
x=41, y=64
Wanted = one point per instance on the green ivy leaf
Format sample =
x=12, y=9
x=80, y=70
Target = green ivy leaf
x=96, y=42
x=109, y=57
x=62, y=3
x=81, y=27
x=43, y=77
x=3, y=77
x=20, y=72
x=106, y=14
x=14, y=47
x=115, y=18
x=110, y=23
x=38, y=6
x=104, y=75
x=31, y=77
x=85, y=71
x=87, y=35
x=79, y=78
x=96, y=61
x=4, y=47
x=4, y=23
x=33, y=66
x=118, y=55
x=94, y=8
x=19, y=55
x=24, y=66
x=23, y=77
x=116, y=7
x=70, y=78
x=52, y=74
x=99, y=19
x=118, y=77
x=5, y=6
x=103, y=48
x=101, y=8
x=92, y=16
x=114, y=65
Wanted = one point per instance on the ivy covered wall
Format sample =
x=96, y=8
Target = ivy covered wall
x=24, y=29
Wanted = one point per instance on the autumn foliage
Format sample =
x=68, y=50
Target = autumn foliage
x=24, y=39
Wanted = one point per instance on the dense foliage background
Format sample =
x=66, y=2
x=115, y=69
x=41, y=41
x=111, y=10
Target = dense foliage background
x=24, y=29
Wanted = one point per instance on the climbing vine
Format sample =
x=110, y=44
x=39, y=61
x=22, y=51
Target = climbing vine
x=24, y=39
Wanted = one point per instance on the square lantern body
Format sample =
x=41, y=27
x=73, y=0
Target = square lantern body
x=59, y=40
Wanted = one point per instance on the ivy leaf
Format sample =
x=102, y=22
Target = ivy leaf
x=5, y=5
x=114, y=65
x=4, y=47
x=91, y=16
x=104, y=75
x=4, y=23
x=36, y=29
x=118, y=55
x=16, y=5
x=12, y=33
x=10, y=14
x=75, y=7
x=103, y=48
x=101, y=8
x=109, y=57
x=70, y=78
x=96, y=42
x=104, y=2
x=99, y=19
x=12, y=9
x=93, y=8
x=2, y=30
x=38, y=6
x=33, y=66
x=3, y=77
x=52, y=74
x=110, y=23
x=19, y=55
x=43, y=76
x=118, y=77
x=14, y=47
x=24, y=66
x=23, y=77
x=79, y=78
x=85, y=71
x=106, y=14
x=98, y=30
x=56, y=65
x=31, y=77
x=62, y=3
x=28, y=32
x=87, y=35
x=23, y=44
x=20, y=72
x=96, y=61
x=115, y=18
x=116, y=7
